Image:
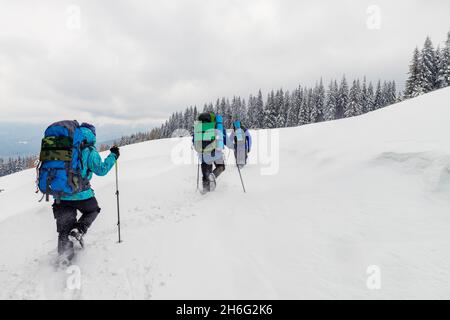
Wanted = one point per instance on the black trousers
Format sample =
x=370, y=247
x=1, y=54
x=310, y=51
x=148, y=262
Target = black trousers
x=207, y=169
x=65, y=213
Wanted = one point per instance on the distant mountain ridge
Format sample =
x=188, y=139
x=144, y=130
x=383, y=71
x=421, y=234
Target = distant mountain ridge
x=24, y=139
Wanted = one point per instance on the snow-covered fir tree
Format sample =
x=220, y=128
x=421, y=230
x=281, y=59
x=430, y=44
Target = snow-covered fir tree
x=428, y=67
x=271, y=112
x=364, y=103
x=251, y=113
x=343, y=99
x=384, y=94
x=413, y=86
x=332, y=100
x=306, y=107
x=286, y=108
x=318, y=103
x=370, y=98
x=235, y=106
x=355, y=107
x=446, y=71
x=294, y=107
x=279, y=106
x=378, y=100
x=391, y=93
x=259, y=120
x=13, y=165
x=243, y=112
x=443, y=77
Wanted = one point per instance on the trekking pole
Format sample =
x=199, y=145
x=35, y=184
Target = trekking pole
x=198, y=175
x=118, y=206
x=240, y=175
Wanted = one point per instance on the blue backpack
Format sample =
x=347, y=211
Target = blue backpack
x=219, y=126
x=60, y=163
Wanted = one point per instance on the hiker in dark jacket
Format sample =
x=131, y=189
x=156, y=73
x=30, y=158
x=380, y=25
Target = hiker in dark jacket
x=214, y=157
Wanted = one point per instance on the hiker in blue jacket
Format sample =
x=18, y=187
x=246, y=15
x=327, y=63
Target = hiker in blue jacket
x=241, y=142
x=65, y=210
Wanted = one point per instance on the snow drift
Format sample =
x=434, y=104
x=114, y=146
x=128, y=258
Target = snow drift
x=358, y=208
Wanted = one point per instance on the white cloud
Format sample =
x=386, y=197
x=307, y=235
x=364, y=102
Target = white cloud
x=137, y=61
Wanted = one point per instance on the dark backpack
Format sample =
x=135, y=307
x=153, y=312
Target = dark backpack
x=60, y=163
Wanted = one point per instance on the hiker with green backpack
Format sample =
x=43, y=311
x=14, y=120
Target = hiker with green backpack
x=209, y=140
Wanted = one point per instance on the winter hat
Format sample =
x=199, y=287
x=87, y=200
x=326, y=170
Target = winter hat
x=89, y=126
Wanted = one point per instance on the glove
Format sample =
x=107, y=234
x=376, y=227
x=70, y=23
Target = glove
x=115, y=150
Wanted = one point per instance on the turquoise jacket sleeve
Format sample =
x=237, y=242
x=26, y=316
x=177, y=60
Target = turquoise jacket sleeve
x=99, y=167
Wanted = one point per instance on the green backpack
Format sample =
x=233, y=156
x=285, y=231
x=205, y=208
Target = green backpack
x=205, y=133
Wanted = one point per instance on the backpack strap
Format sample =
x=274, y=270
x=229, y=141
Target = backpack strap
x=38, y=167
x=83, y=146
x=77, y=181
x=51, y=174
x=85, y=181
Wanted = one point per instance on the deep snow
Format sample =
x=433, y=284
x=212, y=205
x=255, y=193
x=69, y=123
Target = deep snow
x=368, y=191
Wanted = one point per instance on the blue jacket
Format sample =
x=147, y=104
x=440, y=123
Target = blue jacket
x=92, y=163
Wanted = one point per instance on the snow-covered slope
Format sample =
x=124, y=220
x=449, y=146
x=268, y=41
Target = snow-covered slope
x=349, y=195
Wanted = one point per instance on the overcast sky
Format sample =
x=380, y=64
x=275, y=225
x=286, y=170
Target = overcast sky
x=137, y=61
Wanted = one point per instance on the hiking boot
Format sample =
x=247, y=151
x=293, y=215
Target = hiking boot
x=64, y=260
x=212, y=182
x=76, y=236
